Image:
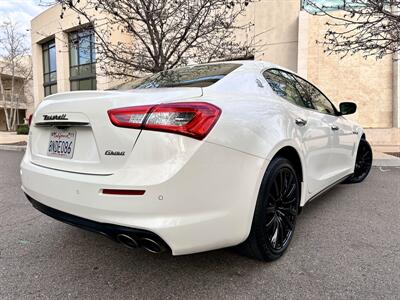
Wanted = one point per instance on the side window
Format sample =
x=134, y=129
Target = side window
x=283, y=84
x=314, y=98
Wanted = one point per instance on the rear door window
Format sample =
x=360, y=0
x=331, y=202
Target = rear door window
x=284, y=85
x=315, y=98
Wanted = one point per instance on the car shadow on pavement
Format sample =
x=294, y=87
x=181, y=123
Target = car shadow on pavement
x=331, y=244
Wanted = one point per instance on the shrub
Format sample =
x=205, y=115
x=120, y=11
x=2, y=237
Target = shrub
x=23, y=129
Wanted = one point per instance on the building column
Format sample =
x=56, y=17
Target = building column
x=302, y=54
x=62, y=57
x=396, y=91
x=37, y=74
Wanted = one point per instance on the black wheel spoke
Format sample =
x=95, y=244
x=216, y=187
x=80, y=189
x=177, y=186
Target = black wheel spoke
x=365, y=155
x=274, y=199
x=292, y=189
x=270, y=223
x=281, y=209
x=291, y=201
x=282, y=187
x=270, y=210
x=274, y=235
x=290, y=184
x=281, y=233
x=287, y=223
x=288, y=211
x=277, y=189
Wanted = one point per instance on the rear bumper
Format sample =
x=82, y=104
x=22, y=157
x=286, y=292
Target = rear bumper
x=108, y=230
x=208, y=204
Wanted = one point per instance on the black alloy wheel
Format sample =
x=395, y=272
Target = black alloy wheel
x=282, y=207
x=275, y=214
x=363, y=163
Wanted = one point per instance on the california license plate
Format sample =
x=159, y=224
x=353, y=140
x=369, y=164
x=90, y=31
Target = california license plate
x=62, y=143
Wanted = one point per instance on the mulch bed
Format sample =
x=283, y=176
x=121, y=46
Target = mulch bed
x=396, y=154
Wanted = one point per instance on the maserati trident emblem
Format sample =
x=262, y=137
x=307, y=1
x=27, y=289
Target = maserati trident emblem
x=114, y=153
x=61, y=117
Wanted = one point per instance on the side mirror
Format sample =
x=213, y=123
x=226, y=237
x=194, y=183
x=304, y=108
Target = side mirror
x=347, y=108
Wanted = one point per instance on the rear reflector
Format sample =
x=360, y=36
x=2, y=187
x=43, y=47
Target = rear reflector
x=194, y=119
x=123, y=192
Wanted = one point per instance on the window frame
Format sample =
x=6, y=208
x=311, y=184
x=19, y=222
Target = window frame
x=48, y=85
x=295, y=76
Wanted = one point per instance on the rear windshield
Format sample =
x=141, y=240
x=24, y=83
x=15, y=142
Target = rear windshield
x=193, y=76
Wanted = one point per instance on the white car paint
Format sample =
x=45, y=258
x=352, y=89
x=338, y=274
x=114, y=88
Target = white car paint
x=200, y=194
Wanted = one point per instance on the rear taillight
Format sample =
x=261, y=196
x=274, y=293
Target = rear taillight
x=132, y=117
x=194, y=119
x=30, y=119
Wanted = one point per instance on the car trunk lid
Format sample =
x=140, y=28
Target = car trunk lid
x=81, y=120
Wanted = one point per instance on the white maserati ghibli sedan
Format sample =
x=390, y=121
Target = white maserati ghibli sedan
x=193, y=158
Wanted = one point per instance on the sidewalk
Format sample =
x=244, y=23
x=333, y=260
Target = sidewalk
x=12, y=137
x=12, y=141
x=382, y=159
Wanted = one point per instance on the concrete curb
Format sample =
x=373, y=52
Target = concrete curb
x=12, y=148
x=386, y=162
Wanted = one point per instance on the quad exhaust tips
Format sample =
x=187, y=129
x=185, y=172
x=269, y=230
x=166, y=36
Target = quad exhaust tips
x=146, y=243
x=127, y=241
x=152, y=245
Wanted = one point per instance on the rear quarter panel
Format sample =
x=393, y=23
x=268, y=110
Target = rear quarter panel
x=254, y=120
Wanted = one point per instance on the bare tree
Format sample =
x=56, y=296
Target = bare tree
x=15, y=65
x=369, y=27
x=161, y=34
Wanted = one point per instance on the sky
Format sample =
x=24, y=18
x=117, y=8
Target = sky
x=21, y=11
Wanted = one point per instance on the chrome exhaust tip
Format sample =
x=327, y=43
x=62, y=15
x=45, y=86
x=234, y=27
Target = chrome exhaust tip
x=127, y=241
x=152, y=245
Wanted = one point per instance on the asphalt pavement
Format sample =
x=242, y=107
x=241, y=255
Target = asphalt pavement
x=346, y=246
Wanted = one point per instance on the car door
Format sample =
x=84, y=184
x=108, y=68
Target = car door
x=313, y=131
x=341, y=139
x=343, y=147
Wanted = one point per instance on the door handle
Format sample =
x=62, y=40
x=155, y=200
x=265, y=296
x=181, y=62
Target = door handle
x=334, y=127
x=301, y=122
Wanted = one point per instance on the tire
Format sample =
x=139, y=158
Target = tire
x=363, y=163
x=275, y=213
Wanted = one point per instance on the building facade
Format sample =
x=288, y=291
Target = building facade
x=22, y=99
x=64, y=59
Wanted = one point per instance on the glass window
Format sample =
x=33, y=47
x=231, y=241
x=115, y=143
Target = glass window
x=83, y=84
x=315, y=97
x=192, y=76
x=283, y=84
x=82, y=60
x=329, y=5
x=49, y=68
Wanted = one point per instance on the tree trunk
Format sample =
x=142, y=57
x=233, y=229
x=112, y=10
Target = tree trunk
x=3, y=96
x=12, y=99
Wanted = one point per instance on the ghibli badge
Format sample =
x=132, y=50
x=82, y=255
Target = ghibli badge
x=115, y=153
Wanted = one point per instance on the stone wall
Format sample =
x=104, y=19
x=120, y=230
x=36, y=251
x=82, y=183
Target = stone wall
x=368, y=82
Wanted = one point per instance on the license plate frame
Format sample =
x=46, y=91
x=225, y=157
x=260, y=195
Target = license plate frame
x=61, y=143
